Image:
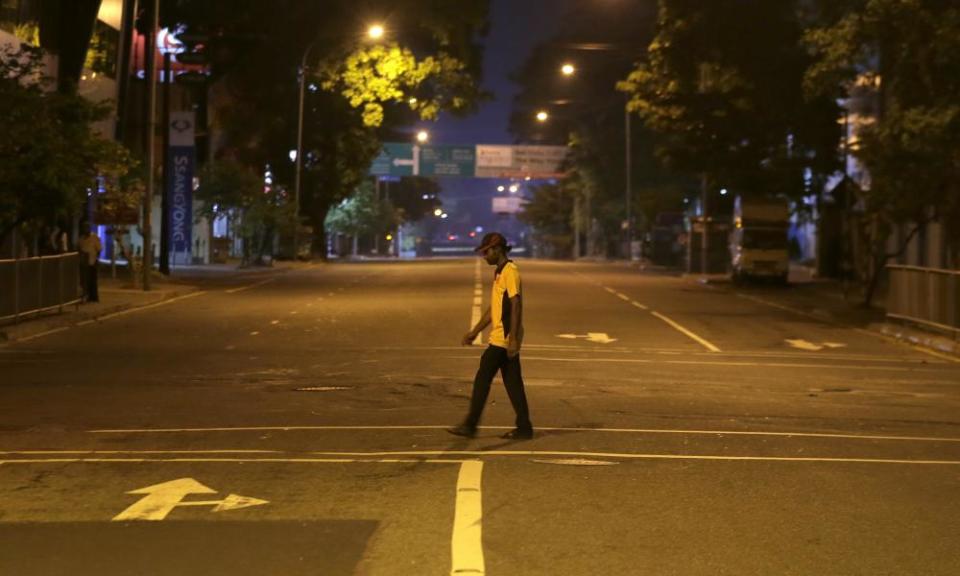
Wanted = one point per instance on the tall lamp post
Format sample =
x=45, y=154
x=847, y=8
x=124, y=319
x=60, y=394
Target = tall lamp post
x=374, y=32
x=568, y=70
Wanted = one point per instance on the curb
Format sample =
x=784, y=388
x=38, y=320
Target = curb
x=57, y=322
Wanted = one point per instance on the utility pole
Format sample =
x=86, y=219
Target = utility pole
x=705, y=236
x=164, y=193
x=629, y=198
x=151, y=71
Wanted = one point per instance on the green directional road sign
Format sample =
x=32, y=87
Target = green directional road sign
x=396, y=159
x=448, y=161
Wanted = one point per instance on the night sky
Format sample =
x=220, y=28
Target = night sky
x=516, y=27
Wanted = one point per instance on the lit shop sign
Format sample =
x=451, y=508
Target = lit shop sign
x=168, y=43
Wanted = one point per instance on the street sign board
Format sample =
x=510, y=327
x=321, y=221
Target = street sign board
x=447, y=161
x=395, y=159
x=520, y=161
x=507, y=204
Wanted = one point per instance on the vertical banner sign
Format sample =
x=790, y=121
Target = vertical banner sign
x=180, y=184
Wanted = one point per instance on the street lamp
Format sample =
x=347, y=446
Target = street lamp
x=542, y=116
x=568, y=69
x=375, y=32
x=423, y=136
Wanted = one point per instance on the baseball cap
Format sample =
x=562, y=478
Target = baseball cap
x=492, y=239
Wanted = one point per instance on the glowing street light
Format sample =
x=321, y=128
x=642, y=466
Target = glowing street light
x=514, y=188
x=376, y=32
x=437, y=212
x=423, y=136
x=542, y=116
x=500, y=188
x=568, y=69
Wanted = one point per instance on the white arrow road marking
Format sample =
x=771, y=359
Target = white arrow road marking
x=600, y=337
x=161, y=499
x=804, y=345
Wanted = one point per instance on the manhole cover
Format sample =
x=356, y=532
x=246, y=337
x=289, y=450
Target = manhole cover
x=576, y=462
x=322, y=388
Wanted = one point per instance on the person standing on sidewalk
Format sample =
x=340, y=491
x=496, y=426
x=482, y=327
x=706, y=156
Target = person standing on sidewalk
x=505, y=313
x=89, y=247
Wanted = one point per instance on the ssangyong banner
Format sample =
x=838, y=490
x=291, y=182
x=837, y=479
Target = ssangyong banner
x=180, y=184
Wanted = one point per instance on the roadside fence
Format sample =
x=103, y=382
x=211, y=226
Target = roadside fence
x=36, y=285
x=926, y=296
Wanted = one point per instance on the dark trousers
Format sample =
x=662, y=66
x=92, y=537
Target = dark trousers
x=495, y=358
x=90, y=291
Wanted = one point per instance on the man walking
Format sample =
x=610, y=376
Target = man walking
x=503, y=354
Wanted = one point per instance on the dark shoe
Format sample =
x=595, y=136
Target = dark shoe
x=463, y=430
x=519, y=434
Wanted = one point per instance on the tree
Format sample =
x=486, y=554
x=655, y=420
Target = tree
x=603, y=44
x=907, y=52
x=361, y=214
x=721, y=87
x=432, y=55
x=228, y=186
x=549, y=213
x=50, y=157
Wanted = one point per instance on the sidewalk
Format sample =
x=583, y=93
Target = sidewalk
x=116, y=295
x=824, y=300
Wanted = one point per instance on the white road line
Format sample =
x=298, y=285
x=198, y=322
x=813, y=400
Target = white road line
x=686, y=332
x=623, y=297
x=250, y=286
x=466, y=547
x=610, y=290
x=639, y=305
x=149, y=306
x=433, y=457
x=545, y=428
x=476, y=311
x=42, y=334
x=727, y=363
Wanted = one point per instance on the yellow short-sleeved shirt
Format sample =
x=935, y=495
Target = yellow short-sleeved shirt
x=506, y=285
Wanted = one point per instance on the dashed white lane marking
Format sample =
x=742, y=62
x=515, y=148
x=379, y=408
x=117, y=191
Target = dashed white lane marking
x=623, y=297
x=639, y=305
x=466, y=548
x=544, y=428
x=687, y=333
x=255, y=333
x=250, y=286
x=274, y=322
x=476, y=312
x=610, y=290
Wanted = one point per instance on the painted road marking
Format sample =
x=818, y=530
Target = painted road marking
x=729, y=363
x=42, y=334
x=623, y=297
x=160, y=499
x=813, y=347
x=250, y=286
x=610, y=290
x=788, y=434
x=934, y=353
x=600, y=337
x=639, y=305
x=436, y=457
x=149, y=306
x=686, y=332
x=466, y=547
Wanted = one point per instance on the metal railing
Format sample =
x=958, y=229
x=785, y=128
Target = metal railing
x=926, y=296
x=37, y=285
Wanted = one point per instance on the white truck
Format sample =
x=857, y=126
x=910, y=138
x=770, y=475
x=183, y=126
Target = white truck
x=759, y=243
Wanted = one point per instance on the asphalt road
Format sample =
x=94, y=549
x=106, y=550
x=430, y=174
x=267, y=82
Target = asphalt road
x=293, y=425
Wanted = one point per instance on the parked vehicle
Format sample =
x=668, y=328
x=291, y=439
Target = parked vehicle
x=759, y=245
